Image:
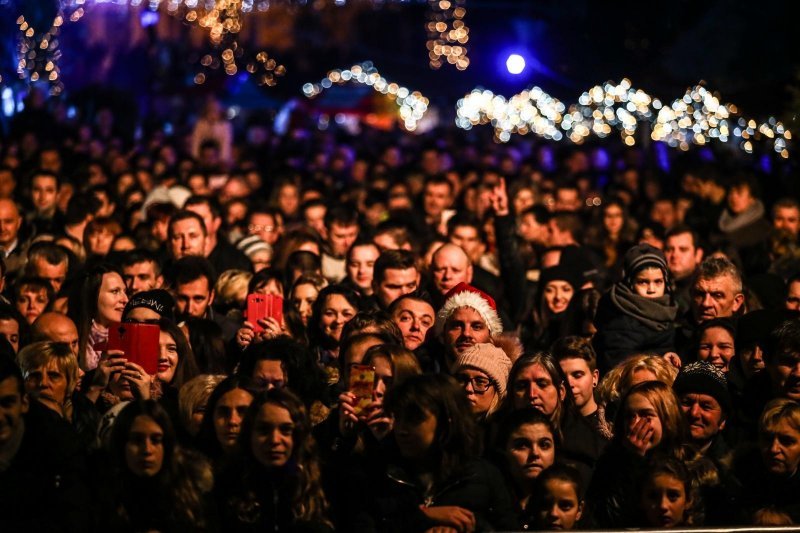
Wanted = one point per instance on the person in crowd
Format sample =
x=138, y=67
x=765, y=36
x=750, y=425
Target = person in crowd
x=786, y=216
x=341, y=229
x=615, y=232
x=559, y=502
x=141, y=272
x=50, y=371
x=437, y=477
x=527, y=442
x=554, y=314
x=32, y=296
x=335, y=306
x=220, y=253
x=14, y=327
x=743, y=223
x=275, y=483
x=48, y=261
x=153, y=484
x=669, y=495
x=414, y=315
x=395, y=274
x=717, y=342
x=96, y=301
x=482, y=369
x=684, y=254
x=467, y=317
x=218, y=435
x=193, y=399
x=638, y=313
x=360, y=265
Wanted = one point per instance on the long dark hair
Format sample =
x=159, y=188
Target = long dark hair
x=307, y=497
x=82, y=303
x=180, y=484
x=207, y=441
x=316, y=336
x=186, y=368
x=456, y=440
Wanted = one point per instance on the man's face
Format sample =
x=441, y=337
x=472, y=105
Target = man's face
x=567, y=200
x=464, y=329
x=12, y=406
x=682, y=256
x=141, y=277
x=739, y=199
x=469, y=240
x=396, y=282
x=10, y=222
x=793, y=296
x=194, y=298
x=704, y=416
x=43, y=194
x=784, y=371
x=436, y=199
x=55, y=274
x=265, y=226
x=268, y=374
x=340, y=238
x=533, y=232
x=450, y=267
x=187, y=239
x=58, y=328
x=211, y=223
x=582, y=380
x=787, y=219
x=715, y=298
x=663, y=212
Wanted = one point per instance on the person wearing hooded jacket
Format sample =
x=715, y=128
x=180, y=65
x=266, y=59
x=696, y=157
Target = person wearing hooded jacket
x=638, y=313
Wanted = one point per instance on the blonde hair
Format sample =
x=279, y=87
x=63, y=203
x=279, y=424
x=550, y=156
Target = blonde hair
x=231, y=287
x=194, y=393
x=41, y=353
x=778, y=410
x=619, y=379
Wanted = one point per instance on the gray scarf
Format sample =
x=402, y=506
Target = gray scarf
x=655, y=313
x=729, y=223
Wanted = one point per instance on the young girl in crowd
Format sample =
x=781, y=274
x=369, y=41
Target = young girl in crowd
x=273, y=483
x=649, y=421
x=637, y=315
x=558, y=502
x=668, y=497
x=483, y=372
x=153, y=485
x=218, y=437
x=526, y=441
x=555, y=314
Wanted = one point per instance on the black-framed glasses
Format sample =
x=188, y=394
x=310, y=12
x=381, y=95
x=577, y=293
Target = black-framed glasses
x=479, y=384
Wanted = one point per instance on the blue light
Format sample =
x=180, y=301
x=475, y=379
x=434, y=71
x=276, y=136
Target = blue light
x=515, y=64
x=148, y=18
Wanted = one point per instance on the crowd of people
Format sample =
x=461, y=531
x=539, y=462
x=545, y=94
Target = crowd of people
x=465, y=336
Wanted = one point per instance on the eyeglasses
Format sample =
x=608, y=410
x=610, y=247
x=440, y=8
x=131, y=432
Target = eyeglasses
x=479, y=384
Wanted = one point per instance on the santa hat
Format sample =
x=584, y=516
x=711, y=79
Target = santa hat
x=464, y=295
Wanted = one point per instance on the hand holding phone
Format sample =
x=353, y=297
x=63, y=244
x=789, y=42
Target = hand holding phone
x=263, y=306
x=139, y=342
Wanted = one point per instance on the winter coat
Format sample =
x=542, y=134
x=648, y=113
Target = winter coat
x=394, y=497
x=621, y=335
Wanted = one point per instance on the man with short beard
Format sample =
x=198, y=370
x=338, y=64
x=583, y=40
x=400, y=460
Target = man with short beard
x=468, y=317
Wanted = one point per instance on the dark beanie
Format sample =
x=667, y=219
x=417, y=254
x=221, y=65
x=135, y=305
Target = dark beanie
x=642, y=256
x=701, y=377
x=561, y=272
x=158, y=300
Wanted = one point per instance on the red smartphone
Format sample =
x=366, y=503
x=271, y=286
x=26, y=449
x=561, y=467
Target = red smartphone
x=261, y=306
x=362, y=384
x=139, y=342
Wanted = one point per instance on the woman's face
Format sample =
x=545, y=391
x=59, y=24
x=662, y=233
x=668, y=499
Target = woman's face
x=228, y=417
x=167, y=358
x=360, y=267
x=384, y=377
x=100, y=242
x=31, y=302
x=288, y=200
x=637, y=408
x=336, y=312
x=664, y=501
x=612, y=219
x=649, y=283
x=716, y=347
x=144, y=450
x=414, y=318
x=530, y=449
x=557, y=295
x=303, y=298
x=415, y=437
x=533, y=387
x=272, y=441
x=481, y=392
x=523, y=200
x=780, y=448
x=270, y=287
x=111, y=300
x=47, y=382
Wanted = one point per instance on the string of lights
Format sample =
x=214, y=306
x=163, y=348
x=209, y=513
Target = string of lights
x=447, y=34
x=39, y=53
x=411, y=105
x=697, y=118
